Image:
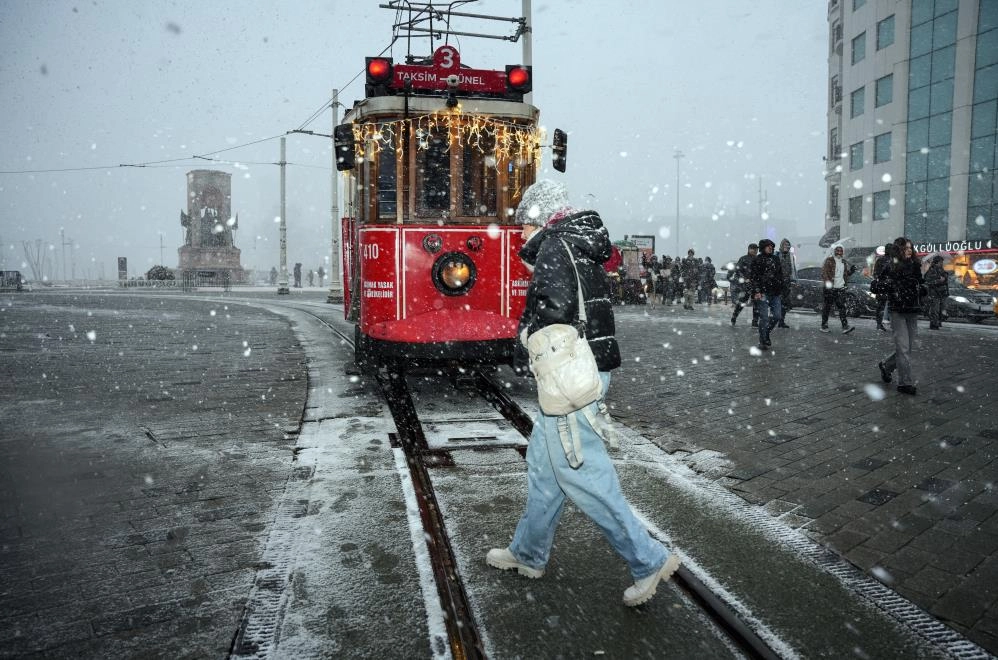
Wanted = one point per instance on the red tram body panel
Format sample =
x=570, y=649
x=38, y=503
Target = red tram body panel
x=437, y=157
x=400, y=302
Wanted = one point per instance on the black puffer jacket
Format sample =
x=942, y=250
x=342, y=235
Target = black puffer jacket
x=766, y=272
x=552, y=296
x=904, y=285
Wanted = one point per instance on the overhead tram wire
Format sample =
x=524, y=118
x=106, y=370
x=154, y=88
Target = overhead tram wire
x=150, y=163
x=328, y=103
x=203, y=156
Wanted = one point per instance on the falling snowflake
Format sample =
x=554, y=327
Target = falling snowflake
x=92, y=336
x=882, y=574
x=875, y=392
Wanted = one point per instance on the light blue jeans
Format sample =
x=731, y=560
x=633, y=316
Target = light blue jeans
x=593, y=487
x=904, y=327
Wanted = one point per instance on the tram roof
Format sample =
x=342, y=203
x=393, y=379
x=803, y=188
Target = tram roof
x=394, y=106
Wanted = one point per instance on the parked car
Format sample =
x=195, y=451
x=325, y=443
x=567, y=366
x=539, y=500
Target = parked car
x=966, y=303
x=808, y=292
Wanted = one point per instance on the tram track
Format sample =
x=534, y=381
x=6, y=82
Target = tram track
x=464, y=637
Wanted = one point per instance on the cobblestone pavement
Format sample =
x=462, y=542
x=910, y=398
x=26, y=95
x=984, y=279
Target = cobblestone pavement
x=904, y=487
x=142, y=441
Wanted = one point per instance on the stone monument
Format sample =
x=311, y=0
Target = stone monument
x=208, y=254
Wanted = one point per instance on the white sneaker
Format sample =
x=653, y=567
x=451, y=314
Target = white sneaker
x=642, y=590
x=504, y=560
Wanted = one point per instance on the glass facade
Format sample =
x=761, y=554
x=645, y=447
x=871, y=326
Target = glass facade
x=930, y=118
x=982, y=196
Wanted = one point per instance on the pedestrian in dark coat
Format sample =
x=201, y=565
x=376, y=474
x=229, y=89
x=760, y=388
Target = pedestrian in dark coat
x=937, y=283
x=556, y=236
x=902, y=280
x=878, y=271
x=707, y=281
x=691, y=278
x=789, y=269
x=741, y=285
x=677, y=280
x=767, y=284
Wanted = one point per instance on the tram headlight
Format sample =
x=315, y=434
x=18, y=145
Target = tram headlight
x=454, y=273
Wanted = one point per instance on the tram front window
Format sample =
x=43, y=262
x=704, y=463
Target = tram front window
x=478, y=173
x=387, y=200
x=433, y=174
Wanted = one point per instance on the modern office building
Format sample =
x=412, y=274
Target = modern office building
x=912, y=120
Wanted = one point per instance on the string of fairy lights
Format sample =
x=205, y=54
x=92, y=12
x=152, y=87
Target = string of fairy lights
x=503, y=140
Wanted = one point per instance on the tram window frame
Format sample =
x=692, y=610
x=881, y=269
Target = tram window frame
x=387, y=178
x=511, y=178
x=479, y=178
x=443, y=208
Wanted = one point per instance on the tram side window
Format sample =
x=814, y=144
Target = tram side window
x=433, y=174
x=478, y=173
x=387, y=179
x=519, y=179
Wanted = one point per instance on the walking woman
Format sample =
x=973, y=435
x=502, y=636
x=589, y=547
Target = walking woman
x=902, y=281
x=556, y=236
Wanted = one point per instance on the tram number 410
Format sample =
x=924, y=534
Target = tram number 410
x=370, y=251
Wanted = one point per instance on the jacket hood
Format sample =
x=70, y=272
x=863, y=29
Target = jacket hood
x=584, y=230
x=540, y=201
x=764, y=242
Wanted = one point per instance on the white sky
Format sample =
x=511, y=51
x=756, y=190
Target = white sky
x=738, y=85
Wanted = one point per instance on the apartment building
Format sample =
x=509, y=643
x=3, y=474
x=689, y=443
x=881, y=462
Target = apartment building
x=912, y=123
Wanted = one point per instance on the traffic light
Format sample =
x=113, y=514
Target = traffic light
x=559, y=150
x=379, y=72
x=344, y=145
x=519, y=81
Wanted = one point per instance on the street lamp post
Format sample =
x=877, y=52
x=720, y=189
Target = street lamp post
x=282, y=281
x=335, y=295
x=677, y=156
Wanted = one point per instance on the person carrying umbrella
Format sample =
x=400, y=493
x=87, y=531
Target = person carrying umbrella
x=937, y=282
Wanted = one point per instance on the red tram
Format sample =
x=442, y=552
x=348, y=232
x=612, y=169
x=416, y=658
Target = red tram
x=437, y=157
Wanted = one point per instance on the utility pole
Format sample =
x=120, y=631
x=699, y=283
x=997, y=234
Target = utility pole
x=762, y=209
x=528, y=54
x=282, y=281
x=335, y=287
x=677, y=156
x=62, y=239
x=161, y=262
